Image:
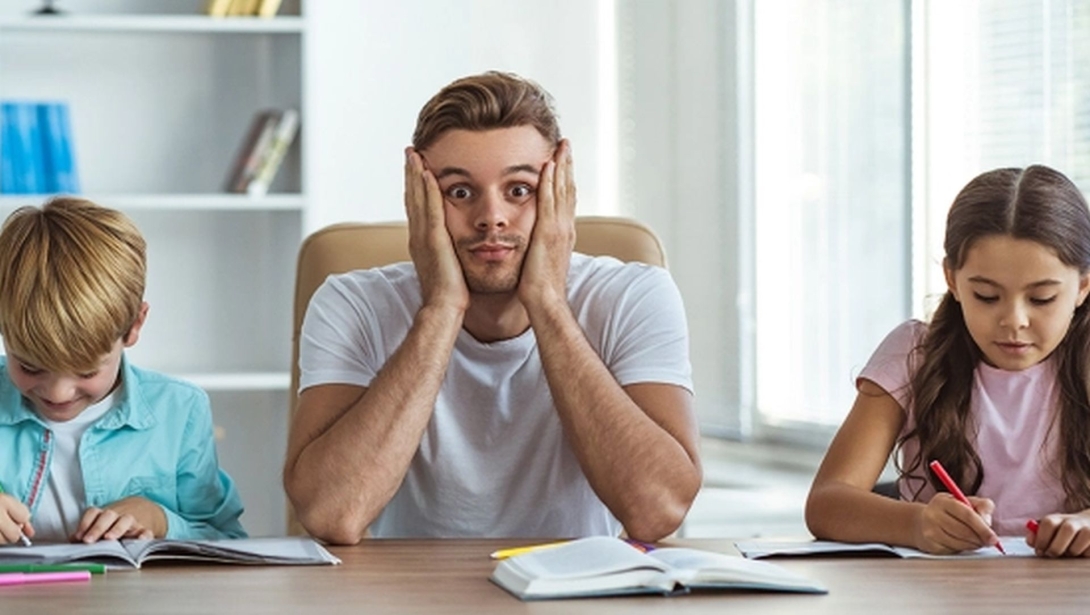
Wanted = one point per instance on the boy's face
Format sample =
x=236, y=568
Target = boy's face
x=489, y=183
x=59, y=396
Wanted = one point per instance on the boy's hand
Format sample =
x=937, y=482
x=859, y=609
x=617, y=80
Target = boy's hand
x=133, y=517
x=1060, y=535
x=545, y=268
x=14, y=518
x=947, y=526
x=442, y=281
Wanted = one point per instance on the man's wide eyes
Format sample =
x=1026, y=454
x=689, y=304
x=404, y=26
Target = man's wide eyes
x=459, y=192
x=521, y=191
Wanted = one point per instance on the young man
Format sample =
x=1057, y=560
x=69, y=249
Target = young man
x=500, y=384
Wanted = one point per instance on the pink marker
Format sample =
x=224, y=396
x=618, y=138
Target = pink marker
x=25, y=578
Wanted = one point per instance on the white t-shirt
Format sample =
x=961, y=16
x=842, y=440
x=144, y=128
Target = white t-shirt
x=63, y=499
x=493, y=461
x=1012, y=412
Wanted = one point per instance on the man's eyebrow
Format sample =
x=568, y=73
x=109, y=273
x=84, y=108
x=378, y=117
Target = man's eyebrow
x=521, y=168
x=448, y=171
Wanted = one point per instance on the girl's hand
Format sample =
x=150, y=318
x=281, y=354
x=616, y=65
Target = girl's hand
x=133, y=517
x=14, y=518
x=1061, y=535
x=947, y=526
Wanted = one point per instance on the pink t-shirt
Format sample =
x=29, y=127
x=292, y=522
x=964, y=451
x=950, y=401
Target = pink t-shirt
x=1012, y=412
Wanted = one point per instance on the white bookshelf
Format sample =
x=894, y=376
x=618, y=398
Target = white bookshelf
x=160, y=99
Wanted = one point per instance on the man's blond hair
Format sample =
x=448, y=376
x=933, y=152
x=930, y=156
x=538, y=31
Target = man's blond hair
x=72, y=277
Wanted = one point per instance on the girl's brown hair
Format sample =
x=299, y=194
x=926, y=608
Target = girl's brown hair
x=1038, y=204
x=72, y=278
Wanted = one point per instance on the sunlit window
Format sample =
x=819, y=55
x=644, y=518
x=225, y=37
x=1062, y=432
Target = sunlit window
x=832, y=199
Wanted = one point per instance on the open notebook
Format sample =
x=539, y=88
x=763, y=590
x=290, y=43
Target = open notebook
x=607, y=566
x=134, y=553
x=755, y=549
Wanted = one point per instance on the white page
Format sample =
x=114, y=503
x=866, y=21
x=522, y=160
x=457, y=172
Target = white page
x=581, y=558
x=753, y=549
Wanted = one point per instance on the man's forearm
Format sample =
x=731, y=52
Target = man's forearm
x=640, y=470
x=348, y=472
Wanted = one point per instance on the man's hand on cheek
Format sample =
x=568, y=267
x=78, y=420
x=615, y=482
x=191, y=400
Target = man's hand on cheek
x=545, y=270
x=430, y=246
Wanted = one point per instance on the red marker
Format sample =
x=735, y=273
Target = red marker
x=952, y=487
x=1032, y=525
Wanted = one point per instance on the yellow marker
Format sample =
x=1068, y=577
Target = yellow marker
x=506, y=553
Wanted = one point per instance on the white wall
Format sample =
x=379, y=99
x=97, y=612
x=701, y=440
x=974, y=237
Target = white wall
x=685, y=168
x=371, y=65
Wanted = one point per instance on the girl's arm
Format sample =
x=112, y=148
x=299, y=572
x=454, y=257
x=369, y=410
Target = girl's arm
x=842, y=506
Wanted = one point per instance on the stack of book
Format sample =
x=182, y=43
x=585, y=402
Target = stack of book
x=36, y=152
x=225, y=8
x=271, y=133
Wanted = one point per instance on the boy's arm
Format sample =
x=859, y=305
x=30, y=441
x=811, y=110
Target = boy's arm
x=208, y=504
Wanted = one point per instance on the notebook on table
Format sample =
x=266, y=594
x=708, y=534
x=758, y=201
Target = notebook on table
x=295, y=550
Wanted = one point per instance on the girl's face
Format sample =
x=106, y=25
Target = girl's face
x=1018, y=299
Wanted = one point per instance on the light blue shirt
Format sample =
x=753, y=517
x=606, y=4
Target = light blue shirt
x=156, y=443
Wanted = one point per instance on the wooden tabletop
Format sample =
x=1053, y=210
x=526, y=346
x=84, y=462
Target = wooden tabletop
x=451, y=576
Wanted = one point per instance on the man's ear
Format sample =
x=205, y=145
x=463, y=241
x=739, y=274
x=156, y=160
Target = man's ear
x=951, y=283
x=134, y=331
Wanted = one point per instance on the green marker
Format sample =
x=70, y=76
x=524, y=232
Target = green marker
x=92, y=568
x=22, y=537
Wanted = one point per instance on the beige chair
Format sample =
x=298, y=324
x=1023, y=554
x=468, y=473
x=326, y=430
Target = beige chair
x=352, y=245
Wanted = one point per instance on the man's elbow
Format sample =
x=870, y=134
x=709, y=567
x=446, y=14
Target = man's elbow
x=653, y=522
x=323, y=520
x=335, y=529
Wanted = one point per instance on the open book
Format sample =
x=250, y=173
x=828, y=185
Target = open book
x=132, y=553
x=606, y=566
x=1015, y=546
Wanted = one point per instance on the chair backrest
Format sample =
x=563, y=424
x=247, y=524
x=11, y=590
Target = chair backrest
x=355, y=245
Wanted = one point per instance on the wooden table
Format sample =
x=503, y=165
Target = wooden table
x=451, y=576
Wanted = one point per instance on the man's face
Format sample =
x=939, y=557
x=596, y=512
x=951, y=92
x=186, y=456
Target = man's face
x=489, y=184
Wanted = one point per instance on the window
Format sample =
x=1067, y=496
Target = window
x=1000, y=83
x=832, y=200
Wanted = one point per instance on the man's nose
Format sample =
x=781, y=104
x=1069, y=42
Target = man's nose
x=491, y=211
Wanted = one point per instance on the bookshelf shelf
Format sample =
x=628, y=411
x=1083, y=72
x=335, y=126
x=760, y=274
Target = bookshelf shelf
x=153, y=23
x=161, y=99
x=176, y=202
x=240, y=381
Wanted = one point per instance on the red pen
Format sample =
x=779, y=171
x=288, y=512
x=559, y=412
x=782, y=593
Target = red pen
x=952, y=487
x=1032, y=525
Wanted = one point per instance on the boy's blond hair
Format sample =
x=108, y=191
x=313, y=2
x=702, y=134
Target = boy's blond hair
x=72, y=277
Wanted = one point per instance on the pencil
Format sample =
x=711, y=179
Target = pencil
x=22, y=537
x=940, y=471
x=506, y=553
